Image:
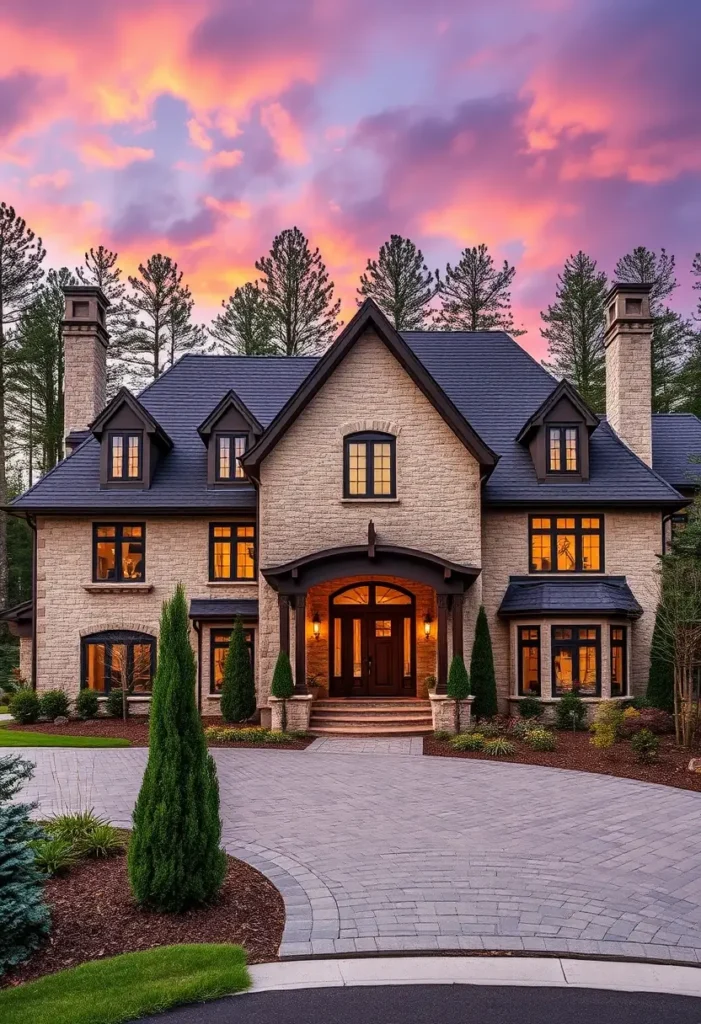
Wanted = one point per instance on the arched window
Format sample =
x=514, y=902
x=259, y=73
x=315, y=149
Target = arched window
x=117, y=659
x=369, y=469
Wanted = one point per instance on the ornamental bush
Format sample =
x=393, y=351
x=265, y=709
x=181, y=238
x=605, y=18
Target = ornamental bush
x=54, y=704
x=467, y=741
x=607, y=724
x=458, y=687
x=238, y=694
x=499, y=747
x=282, y=685
x=571, y=712
x=24, y=707
x=645, y=745
x=530, y=707
x=540, y=739
x=24, y=917
x=654, y=719
x=175, y=860
x=483, y=680
x=115, y=705
x=87, y=704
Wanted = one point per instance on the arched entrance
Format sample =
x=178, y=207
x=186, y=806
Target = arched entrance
x=372, y=650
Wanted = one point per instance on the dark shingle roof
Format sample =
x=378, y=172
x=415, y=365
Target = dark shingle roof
x=222, y=608
x=676, y=439
x=607, y=595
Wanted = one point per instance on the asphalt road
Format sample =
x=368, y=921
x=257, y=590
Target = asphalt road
x=436, y=1004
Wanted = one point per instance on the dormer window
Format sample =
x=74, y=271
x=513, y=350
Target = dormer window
x=563, y=449
x=230, y=448
x=369, y=469
x=125, y=455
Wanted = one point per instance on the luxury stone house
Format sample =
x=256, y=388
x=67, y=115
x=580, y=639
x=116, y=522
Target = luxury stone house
x=356, y=510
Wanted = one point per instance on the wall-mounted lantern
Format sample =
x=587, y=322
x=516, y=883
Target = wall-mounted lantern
x=316, y=625
x=427, y=625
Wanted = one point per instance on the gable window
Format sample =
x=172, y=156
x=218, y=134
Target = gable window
x=118, y=659
x=619, y=661
x=118, y=552
x=125, y=455
x=230, y=448
x=563, y=449
x=566, y=543
x=232, y=551
x=369, y=469
x=219, y=647
x=576, y=655
x=529, y=661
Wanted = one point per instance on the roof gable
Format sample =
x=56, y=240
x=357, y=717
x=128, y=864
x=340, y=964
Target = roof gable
x=563, y=390
x=125, y=399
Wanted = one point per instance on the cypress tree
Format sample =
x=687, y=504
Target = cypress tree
x=175, y=860
x=24, y=917
x=660, y=683
x=458, y=685
x=484, y=685
x=283, y=686
x=238, y=694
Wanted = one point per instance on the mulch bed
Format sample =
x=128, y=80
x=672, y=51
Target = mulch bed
x=574, y=751
x=93, y=916
x=136, y=730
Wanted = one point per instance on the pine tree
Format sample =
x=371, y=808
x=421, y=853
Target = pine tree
x=297, y=289
x=690, y=377
x=660, y=684
x=24, y=917
x=475, y=295
x=238, y=693
x=155, y=293
x=175, y=859
x=575, y=329
x=483, y=680
x=184, y=336
x=246, y=325
x=282, y=685
x=400, y=283
x=100, y=269
x=671, y=334
x=458, y=685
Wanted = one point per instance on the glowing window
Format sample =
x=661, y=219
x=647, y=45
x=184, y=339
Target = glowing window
x=369, y=466
x=577, y=542
x=232, y=551
x=563, y=449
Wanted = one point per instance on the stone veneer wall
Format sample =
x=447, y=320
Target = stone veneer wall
x=86, y=371
x=628, y=388
x=632, y=541
x=302, y=508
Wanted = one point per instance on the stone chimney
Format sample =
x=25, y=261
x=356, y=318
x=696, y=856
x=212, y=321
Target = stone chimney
x=628, y=344
x=85, y=351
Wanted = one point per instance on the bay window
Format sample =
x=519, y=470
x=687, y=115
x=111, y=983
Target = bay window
x=576, y=660
x=619, y=661
x=529, y=661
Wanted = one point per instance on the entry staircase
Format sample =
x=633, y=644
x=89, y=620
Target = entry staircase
x=367, y=717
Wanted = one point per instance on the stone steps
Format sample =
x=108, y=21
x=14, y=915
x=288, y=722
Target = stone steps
x=370, y=717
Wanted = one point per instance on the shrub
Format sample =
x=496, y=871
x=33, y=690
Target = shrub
x=441, y=734
x=522, y=727
x=431, y=683
x=657, y=721
x=458, y=685
x=251, y=734
x=483, y=680
x=468, y=741
x=607, y=724
x=114, y=705
x=175, y=860
x=645, y=745
x=499, y=747
x=73, y=826
x=54, y=704
x=87, y=704
x=101, y=841
x=24, y=917
x=571, y=711
x=282, y=685
x=24, y=707
x=530, y=707
x=238, y=695
x=660, y=685
x=638, y=703
x=53, y=856
x=490, y=729
x=540, y=739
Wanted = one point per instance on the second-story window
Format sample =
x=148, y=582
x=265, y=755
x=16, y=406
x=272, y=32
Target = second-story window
x=125, y=455
x=567, y=543
x=232, y=551
x=563, y=449
x=118, y=552
x=369, y=466
x=230, y=448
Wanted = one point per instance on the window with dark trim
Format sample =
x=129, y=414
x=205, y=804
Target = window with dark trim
x=125, y=455
x=576, y=658
x=232, y=551
x=529, y=661
x=563, y=448
x=619, y=661
x=227, y=457
x=118, y=659
x=369, y=466
x=118, y=552
x=566, y=543
x=218, y=647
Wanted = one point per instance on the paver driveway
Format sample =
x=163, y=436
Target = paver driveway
x=385, y=850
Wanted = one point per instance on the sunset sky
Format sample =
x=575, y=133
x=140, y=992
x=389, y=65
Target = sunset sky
x=200, y=129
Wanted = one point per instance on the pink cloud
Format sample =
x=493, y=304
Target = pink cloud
x=287, y=137
x=223, y=159
x=101, y=151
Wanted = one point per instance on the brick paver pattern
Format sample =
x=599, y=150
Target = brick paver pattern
x=375, y=848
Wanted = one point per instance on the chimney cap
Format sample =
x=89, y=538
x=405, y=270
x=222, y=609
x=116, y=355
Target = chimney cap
x=632, y=287
x=86, y=291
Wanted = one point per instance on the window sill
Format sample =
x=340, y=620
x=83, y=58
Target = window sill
x=118, y=588
x=369, y=501
x=232, y=583
x=556, y=700
x=212, y=696
x=130, y=700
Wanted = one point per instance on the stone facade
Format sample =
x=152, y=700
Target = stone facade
x=628, y=343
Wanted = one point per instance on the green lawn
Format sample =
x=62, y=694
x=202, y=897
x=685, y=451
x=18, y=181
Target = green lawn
x=17, y=738
x=128, y=986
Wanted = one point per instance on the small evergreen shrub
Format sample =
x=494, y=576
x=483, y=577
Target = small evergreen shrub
x=87, y=705
x=283, y=685
x=54, y=704
x=530, y=707
x=458, y=687
x=639, y=703
x=540, y=739
x=238, y=695
x=607, y=724
x=645, y=746
x=114, y=706
x=24, y=707
x=571, y=711
x=482, y=677
x=102, y=841
x=441, y=734
x=467, y=741
x=53, y=856
x=499, y=747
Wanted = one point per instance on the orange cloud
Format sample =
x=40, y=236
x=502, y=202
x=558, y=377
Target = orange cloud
x=229, y=207
x=288, y=140
x=101, y=151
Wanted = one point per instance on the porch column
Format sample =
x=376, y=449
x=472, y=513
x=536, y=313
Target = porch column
x=300, y=643
x=458, y=602
x=442, y=673
x=284, y=607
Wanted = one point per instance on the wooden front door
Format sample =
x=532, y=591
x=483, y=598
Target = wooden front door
x=372, y=642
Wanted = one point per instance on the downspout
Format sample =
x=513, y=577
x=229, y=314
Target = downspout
x=197, y=626
x=33, y=526
x=665, y=519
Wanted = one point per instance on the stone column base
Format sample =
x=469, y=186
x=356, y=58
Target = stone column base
x=299, y=711
x=443, y=711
